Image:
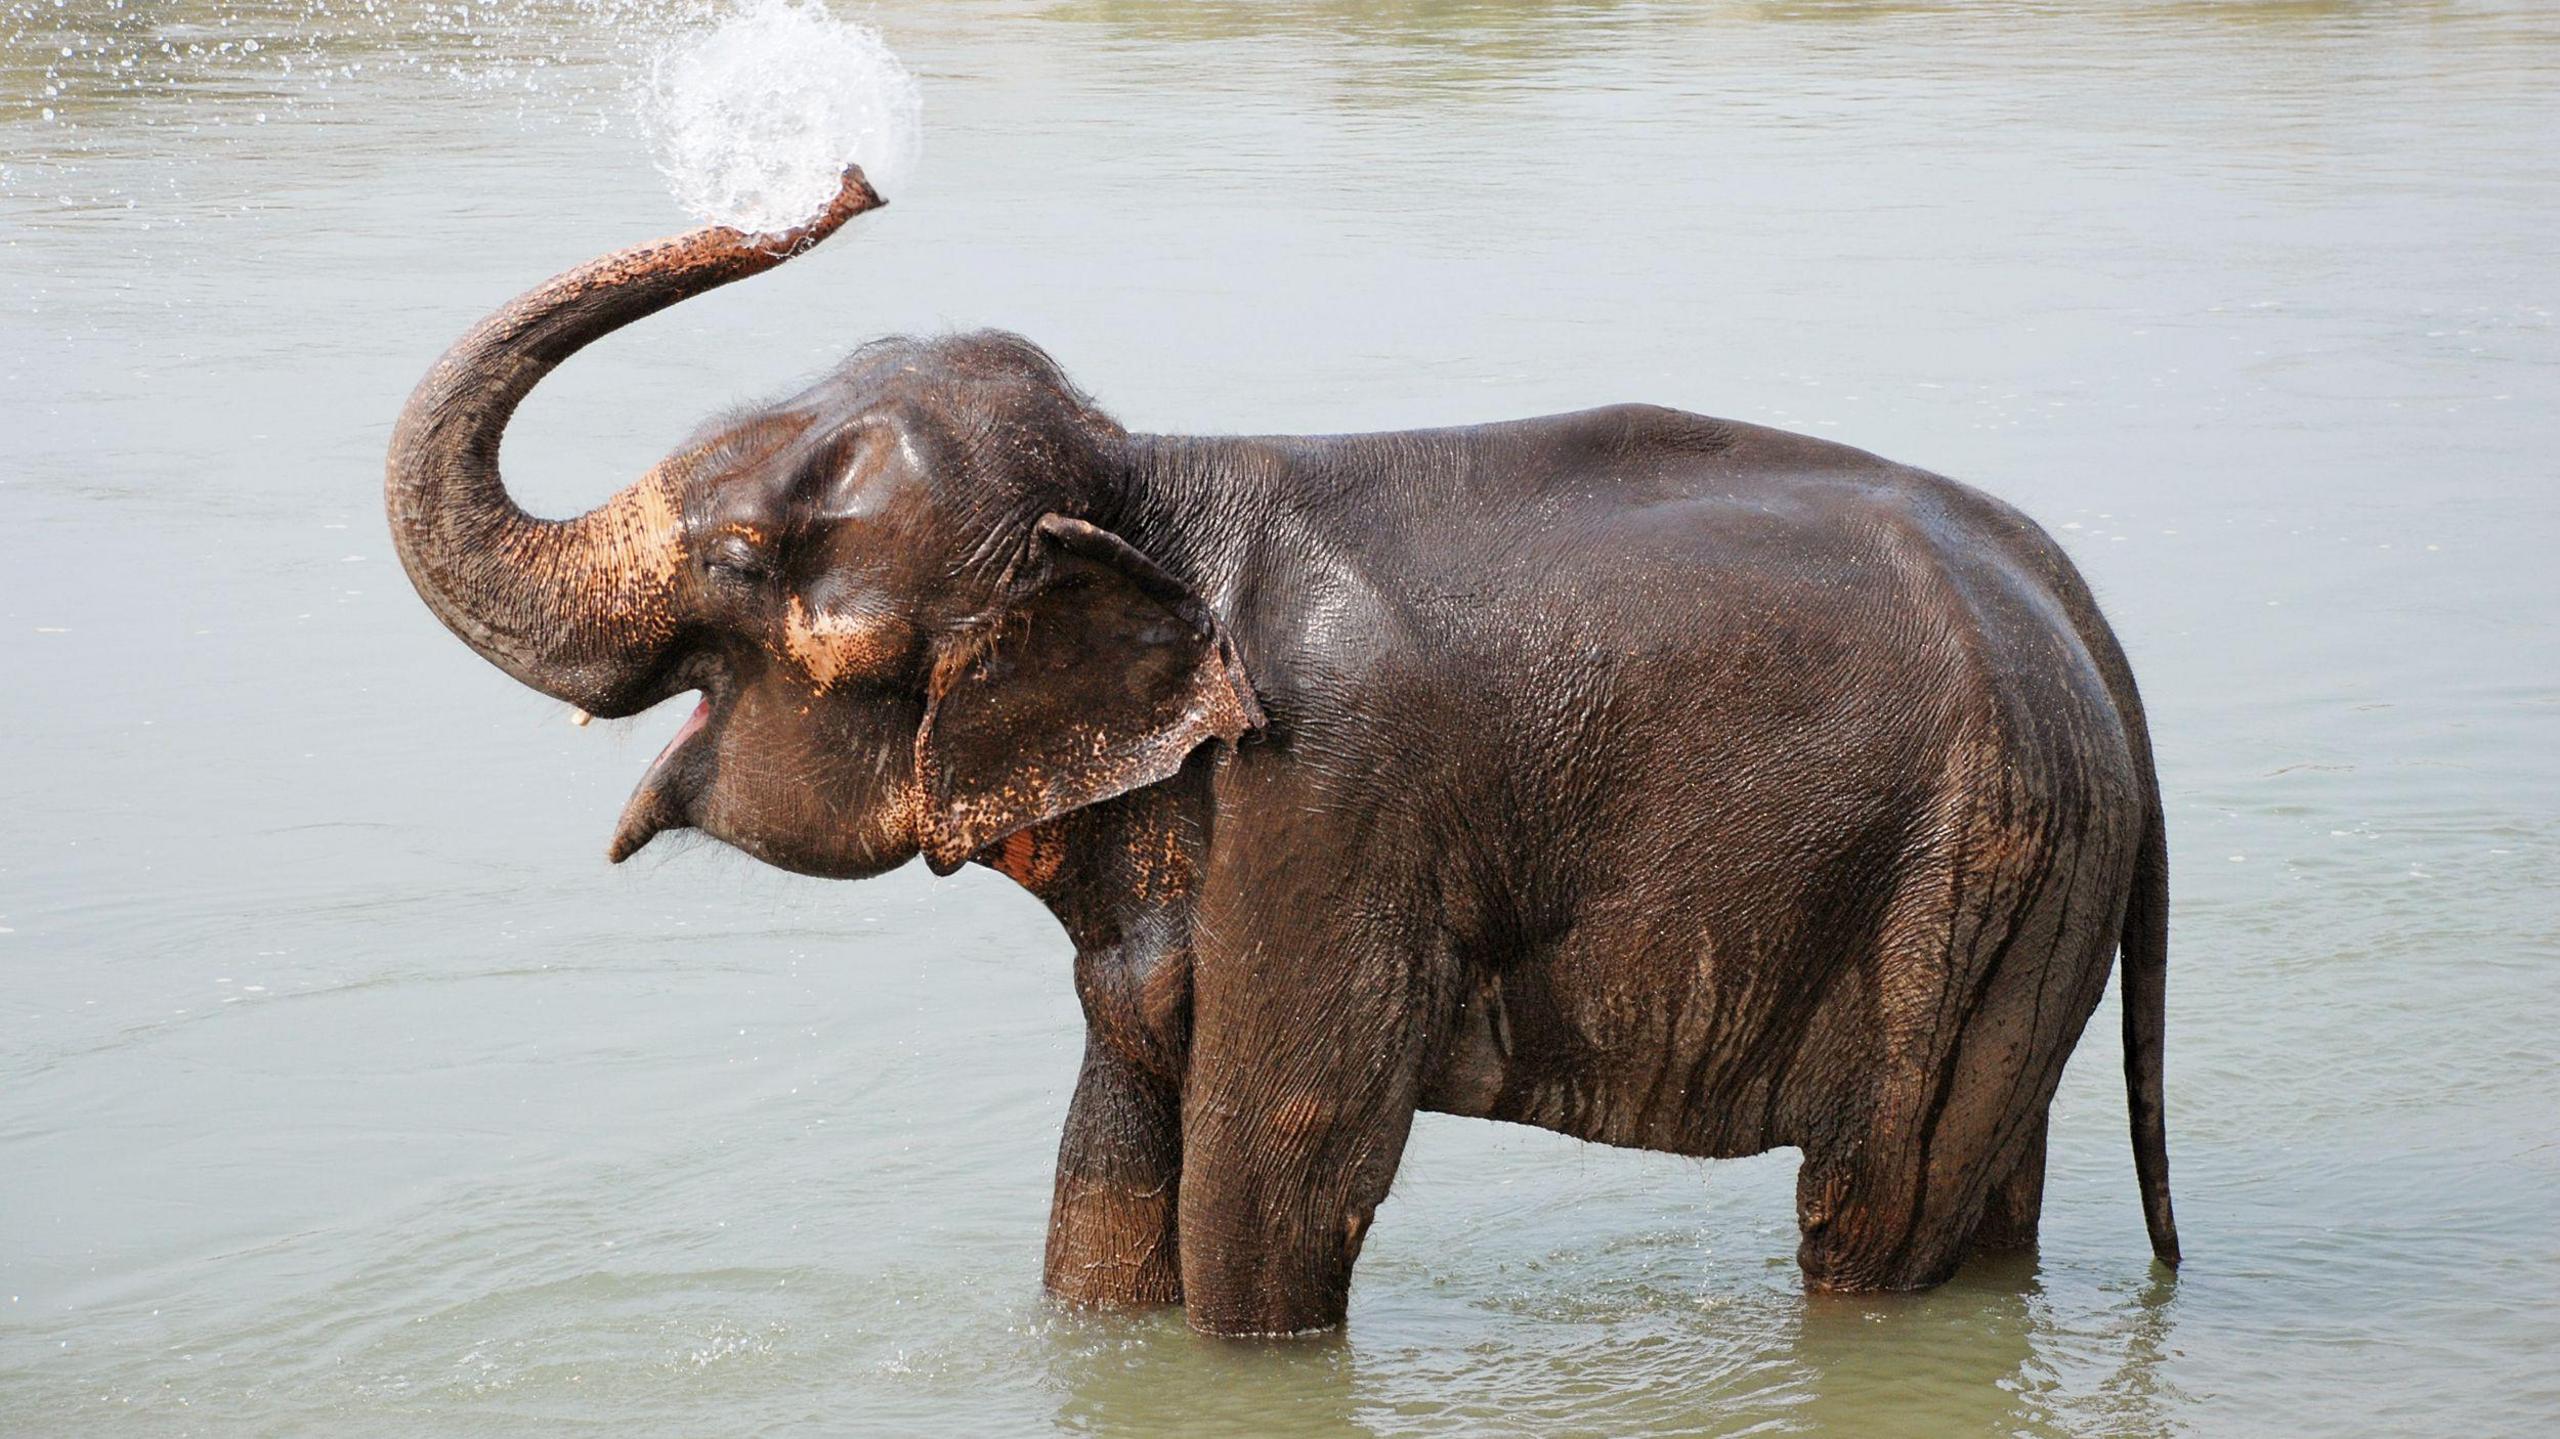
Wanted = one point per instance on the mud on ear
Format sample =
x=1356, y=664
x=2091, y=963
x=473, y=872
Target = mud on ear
x=1098, y=674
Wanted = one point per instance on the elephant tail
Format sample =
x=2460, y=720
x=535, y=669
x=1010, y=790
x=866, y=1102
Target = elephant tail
x=2144, y=972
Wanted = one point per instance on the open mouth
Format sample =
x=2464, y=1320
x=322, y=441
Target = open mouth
x=653, y=807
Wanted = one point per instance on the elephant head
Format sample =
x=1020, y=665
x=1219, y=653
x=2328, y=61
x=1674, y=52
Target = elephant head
x=906, y=630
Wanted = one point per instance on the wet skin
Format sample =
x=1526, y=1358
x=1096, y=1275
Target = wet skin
x=1661, y=780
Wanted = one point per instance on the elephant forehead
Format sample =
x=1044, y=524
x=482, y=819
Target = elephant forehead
x=878, y=477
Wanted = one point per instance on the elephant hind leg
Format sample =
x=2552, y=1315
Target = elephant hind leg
x=1866, y=1225
x=1950, y=1149
x=1892, y=1213
x=1950, y=1163
x=2016, y=1204
x=1993, y=951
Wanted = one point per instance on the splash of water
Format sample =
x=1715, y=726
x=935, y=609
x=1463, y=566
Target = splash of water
x=79, y=78
x=753, y=123
x=752, y=106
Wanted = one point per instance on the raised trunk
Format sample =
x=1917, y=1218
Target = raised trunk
x=583, y=610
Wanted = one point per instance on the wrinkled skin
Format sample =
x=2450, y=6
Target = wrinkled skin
x=1661, y=780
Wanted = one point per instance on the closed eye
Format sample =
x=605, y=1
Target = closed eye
x=731, y=557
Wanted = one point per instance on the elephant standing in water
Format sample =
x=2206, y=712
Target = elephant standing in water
x=1656, y=779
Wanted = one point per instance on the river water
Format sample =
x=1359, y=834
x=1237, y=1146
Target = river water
x=345, y=1089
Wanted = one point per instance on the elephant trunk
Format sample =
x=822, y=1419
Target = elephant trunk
x=585, y=610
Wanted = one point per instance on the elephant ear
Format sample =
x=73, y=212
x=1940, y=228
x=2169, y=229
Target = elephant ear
x=1097, y=674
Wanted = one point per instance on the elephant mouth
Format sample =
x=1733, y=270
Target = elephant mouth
x=656, y=805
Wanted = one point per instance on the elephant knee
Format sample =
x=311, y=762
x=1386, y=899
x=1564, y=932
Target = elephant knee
x=1301, y=1120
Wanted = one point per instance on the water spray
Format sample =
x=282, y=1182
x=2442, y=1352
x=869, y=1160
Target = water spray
x=754, y=122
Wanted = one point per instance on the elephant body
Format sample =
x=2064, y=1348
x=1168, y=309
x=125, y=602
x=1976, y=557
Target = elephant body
x=1664, y=781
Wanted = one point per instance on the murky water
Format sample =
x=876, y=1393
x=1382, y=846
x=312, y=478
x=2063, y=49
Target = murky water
x=345, y=1089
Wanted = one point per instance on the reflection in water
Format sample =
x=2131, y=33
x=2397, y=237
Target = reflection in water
x=1987, y=1354
x=2138, y=1389
x=1990, y=1353
x=1960, y=1354
x=1152, y=1375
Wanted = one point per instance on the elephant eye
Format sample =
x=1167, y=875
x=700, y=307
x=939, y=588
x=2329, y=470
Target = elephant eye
x=732, y=558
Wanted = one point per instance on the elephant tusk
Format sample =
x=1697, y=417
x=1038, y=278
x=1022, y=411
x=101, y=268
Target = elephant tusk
x=580, y=718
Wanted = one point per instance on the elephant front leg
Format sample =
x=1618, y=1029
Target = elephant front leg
x=1112, y=1224
x=1284, y=1184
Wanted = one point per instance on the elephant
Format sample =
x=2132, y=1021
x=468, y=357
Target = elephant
x=1665, y=781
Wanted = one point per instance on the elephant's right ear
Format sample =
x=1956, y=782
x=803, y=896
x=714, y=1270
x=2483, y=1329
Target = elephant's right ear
x=1097, y=674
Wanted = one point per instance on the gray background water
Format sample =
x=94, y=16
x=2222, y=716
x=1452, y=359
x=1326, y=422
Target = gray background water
x=343, y=1088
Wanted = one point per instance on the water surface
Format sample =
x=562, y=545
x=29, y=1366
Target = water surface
x=345, y=1089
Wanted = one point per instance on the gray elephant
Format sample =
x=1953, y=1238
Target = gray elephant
x=1657, y=779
